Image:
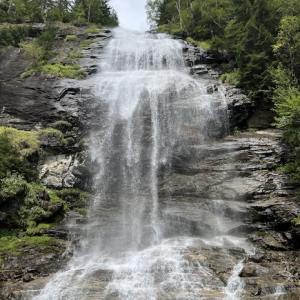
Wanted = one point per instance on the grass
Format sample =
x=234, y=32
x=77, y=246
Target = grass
x=76, y=55
x=54, y=198
x=296, y=220
x=93, y=29
x=71, y=37
x=25, y=142
x=203, y=44
x=72, y=71
x=49, y=133
x=13, y=245
x=62, y=125
x=63, y=71
x=86, y=43
x=32, y=230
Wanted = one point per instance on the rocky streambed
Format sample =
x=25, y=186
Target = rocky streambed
x=229, y=188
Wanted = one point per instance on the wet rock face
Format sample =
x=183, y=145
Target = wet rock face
x=35, y=103
x=227, y=188
x=231, y=187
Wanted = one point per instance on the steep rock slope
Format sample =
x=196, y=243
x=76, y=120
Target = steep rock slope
x=231, y=186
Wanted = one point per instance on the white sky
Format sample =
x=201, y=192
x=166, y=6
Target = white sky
x=131, y=13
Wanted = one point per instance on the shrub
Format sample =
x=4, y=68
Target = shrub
x=64, y=71
x=33, y=52
x=25, y=142
x=62, y=125
x=16, y=148
x=37, y=213
x=12, y=35
x=40, y=49
x=50, y=133
x=33, y=229
x=73, y=195
x=12, y=186
x=232, y=78
x=46, y=39
x=71, y=38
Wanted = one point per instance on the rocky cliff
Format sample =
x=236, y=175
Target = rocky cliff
x=231, y=186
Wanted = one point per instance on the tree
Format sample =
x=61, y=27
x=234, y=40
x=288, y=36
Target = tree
x=287, y=48
x=252, y=34
x=153, y=12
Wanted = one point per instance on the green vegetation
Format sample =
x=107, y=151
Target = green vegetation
x=24, y=142
x=40, y=50
x=296, y=220
x=30, y=206
x=93, y=28
x=73, y=195
x=62, y=125
x=204, y=44
x=17, y=149
x=14, y=245
x=12, y=186
x=76, y=55
x=11, y=35
x=259, y=40
x=71, y=37
x=64, y=71
x=86, y=43
x=49, y=133
x=66, y=11
x=233, y=78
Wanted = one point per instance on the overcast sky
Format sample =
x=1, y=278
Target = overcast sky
x=131, y=13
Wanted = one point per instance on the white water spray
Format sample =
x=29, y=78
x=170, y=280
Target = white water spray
x=149, y=106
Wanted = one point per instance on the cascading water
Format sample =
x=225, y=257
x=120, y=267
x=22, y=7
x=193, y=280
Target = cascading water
x=150, y=107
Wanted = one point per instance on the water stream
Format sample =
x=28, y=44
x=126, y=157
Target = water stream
x=150, y=109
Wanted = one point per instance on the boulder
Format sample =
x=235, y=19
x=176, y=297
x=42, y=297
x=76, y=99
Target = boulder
x=58, y=171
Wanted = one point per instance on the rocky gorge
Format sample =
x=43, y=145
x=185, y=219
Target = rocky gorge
x=230, y=186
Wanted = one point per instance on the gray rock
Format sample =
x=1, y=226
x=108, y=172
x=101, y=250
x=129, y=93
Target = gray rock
x=57, y=171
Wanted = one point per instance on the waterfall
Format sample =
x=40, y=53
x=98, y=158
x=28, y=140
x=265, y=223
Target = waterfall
x=150, y=108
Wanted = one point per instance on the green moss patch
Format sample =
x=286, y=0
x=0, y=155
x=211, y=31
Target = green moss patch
x=14, y=245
